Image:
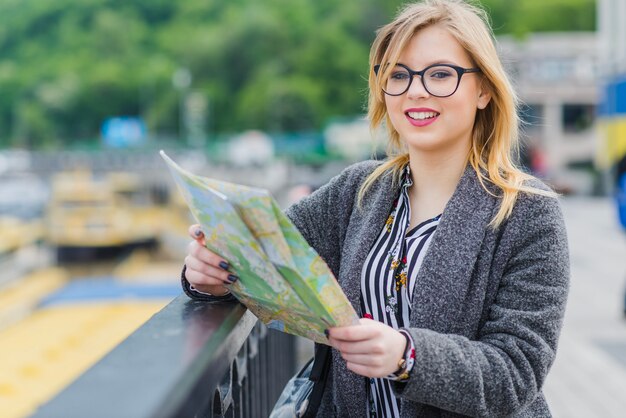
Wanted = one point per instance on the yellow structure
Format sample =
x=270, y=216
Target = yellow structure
x=174, y=236
x=20, y=249
x=16, y=233
x=141, y=267
x=108, y=212
x=614, y=142
x=44, y=353
x=19, y=298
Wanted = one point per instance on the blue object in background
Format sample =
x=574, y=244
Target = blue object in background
x=108, y=289
x=620, y=199
x=123, y=132
x=613, y=101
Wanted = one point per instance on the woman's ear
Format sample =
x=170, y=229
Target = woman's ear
x=484, y=96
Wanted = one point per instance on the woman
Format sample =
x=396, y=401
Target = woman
x=456, y=259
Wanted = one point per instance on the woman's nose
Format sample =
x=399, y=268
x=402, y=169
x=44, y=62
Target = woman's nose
x=417, y=89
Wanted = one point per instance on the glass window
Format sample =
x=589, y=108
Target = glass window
x=578, y=117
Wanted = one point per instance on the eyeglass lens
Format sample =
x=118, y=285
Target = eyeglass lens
x=438, y=81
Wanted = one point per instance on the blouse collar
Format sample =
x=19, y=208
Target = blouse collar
x=407, y=181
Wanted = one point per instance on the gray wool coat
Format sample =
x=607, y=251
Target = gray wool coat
x=488, y=303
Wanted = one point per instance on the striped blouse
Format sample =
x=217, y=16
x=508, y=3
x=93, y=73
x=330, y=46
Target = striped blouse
x=388, y=280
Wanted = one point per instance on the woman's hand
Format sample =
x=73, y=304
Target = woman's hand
x=371, y=349
x=206, y=271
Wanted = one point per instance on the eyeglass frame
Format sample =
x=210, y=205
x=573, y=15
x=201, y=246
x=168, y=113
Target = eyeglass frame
x=459, y=70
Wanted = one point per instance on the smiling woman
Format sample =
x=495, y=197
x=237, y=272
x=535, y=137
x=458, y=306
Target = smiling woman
x=444, y=104
x=456, y=259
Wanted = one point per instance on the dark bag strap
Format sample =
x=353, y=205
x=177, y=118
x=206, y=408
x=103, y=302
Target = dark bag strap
x=319, y=375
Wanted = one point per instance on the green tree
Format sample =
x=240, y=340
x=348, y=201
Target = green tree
x=66, y=65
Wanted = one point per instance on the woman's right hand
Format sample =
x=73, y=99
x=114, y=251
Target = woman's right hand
x=206, y=271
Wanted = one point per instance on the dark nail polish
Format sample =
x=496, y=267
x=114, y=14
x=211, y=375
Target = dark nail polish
x=198, y=232
x=327, y=333
x=224, y=265
x=232, y=278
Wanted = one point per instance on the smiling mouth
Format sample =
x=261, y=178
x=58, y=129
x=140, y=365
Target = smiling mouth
x=422, y=115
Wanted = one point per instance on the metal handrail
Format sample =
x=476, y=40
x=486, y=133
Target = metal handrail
x=190, y=359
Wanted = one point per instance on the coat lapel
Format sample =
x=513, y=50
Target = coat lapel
x=446, y=272
x=369, y=221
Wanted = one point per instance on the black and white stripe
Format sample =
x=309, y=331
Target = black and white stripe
x=378, y=284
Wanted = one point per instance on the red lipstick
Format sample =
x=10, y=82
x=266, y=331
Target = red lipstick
x=422, y=116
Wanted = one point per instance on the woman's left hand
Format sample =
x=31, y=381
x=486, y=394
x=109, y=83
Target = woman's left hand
x=371, y=349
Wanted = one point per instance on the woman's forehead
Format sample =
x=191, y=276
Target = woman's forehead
x=433, y=44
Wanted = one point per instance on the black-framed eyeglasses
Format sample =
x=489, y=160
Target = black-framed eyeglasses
x=439, y=80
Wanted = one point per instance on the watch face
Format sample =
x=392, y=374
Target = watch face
x=401, y=368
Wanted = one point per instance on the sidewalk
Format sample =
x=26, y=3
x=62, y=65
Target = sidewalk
x=588, y=378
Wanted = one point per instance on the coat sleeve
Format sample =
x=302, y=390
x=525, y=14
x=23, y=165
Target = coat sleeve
x=503, y=370
x=196, y=295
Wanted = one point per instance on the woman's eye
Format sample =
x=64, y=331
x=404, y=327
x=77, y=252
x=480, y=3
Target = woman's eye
x=440, y=74
x=400, y=75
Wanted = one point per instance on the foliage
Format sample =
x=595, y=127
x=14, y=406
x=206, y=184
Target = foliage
x=279, y=65
x=520, y=17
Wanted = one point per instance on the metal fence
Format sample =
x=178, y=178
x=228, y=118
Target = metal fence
x=192, y=359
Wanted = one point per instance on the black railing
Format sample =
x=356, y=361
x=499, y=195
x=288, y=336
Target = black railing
x=192, y=359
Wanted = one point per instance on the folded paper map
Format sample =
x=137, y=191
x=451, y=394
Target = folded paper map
x=282, y=280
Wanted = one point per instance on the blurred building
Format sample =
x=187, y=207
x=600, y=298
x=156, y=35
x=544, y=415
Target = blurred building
x=251, y=148
x=556, y=76
x=612, y=33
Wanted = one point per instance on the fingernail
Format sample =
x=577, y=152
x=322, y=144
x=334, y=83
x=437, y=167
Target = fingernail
x=232, y=278
x=197, y=232
x=327, y=333
x=224, y=265
x=368, y=316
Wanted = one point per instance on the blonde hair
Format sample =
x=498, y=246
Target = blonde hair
x=495, y=135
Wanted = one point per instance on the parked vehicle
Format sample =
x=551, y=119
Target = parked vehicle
x=89, y=216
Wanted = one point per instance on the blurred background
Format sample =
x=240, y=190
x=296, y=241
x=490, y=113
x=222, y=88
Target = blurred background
x=271, y=94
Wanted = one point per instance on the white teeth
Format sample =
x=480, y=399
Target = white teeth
x=422, y=115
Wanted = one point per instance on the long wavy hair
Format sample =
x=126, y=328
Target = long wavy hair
x=495, y=135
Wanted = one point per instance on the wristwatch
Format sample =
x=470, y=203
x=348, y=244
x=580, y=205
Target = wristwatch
x=403, y=364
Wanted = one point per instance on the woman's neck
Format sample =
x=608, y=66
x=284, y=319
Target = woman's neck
x=436, y=174
x=435, y=178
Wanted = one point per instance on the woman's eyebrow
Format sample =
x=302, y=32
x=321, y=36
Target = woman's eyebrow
x=435, y=62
